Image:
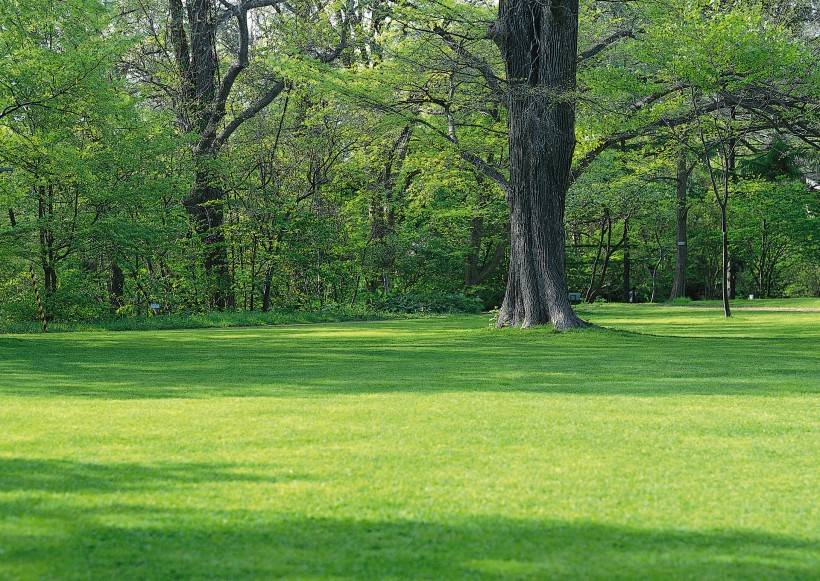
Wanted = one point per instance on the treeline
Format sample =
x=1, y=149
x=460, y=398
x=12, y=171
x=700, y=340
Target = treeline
x=256, y=155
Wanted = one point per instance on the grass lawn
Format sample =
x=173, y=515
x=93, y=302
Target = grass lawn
x=682, y=446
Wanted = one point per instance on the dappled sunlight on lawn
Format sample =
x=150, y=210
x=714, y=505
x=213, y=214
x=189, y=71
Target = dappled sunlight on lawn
x=425, y=449
x=700, y=322
x=125, y=520
x=412, y=356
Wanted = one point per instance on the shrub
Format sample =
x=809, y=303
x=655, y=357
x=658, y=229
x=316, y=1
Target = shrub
x=429, y=303
x=679, y=302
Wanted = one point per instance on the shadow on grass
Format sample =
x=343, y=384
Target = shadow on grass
x=356, y=360
x=21, y=474
x=48, y=532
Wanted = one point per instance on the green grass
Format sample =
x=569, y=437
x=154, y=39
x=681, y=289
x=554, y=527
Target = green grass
x=706, y=319
x=767, y=303
x=684, y=446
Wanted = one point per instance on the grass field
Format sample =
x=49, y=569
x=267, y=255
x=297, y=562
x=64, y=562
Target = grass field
x=680, y=446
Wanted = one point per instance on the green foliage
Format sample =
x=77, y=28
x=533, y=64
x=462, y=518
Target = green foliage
x=355, y=185
x=679, y=302
x=94, y=182
x=211, y=320
x=428, y=303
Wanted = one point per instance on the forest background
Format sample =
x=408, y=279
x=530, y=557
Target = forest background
x=353, y=154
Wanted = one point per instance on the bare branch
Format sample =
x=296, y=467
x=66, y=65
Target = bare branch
x=237, y=66
x=482, y=66
x=583, y=164
x=604, y=44
x=252, y=110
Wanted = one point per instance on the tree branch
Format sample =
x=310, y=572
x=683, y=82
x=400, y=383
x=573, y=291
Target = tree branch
x=584, y=162
x=604, y=44
x=252, y=110
x=236, y=68
x=482, y=66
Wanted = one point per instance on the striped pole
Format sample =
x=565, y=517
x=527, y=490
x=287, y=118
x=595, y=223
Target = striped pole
x=39, y=303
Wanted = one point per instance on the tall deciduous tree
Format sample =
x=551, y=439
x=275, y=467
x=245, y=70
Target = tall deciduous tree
x=210, y=44
x=193, y=29
x=538, y=41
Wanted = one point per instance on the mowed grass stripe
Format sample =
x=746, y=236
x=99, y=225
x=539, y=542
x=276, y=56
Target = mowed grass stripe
x=430, y=449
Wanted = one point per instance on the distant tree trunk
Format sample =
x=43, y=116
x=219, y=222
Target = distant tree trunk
x=682, y=212
x=603, y=256
x=538, y=41
x=382, y=212
x=627, y=266
x=266, y=287
x=727, y=275
x=734, y=270
x=654, y=266
x=117, y=287
x=48, y=253
x=205, y=206
x=603, y=252
x=478, y=268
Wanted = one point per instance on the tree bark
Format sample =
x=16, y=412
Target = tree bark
x=205, y=206
x=202, y=111
x=538, y=41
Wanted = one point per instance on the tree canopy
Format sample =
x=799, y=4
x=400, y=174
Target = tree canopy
x=448, y=155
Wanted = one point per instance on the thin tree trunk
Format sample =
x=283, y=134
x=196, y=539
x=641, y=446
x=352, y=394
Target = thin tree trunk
x=267, y=282
x=627, y=266
x=382, y=211
x=724, y=238
x=682, y=212
x=722, y=198
x=589, y=296
x=117, y=287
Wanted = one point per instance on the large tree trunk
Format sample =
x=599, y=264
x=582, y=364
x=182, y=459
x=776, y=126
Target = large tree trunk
x=538, y=40
x=205, y=206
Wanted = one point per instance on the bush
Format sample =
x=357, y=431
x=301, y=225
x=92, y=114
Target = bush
x=679, y=302
x=428, y=303
x=216, y=319
x=806, y=283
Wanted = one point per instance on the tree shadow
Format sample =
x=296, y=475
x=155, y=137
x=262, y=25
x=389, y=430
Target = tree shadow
x=127, y=541
x=24, y=474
